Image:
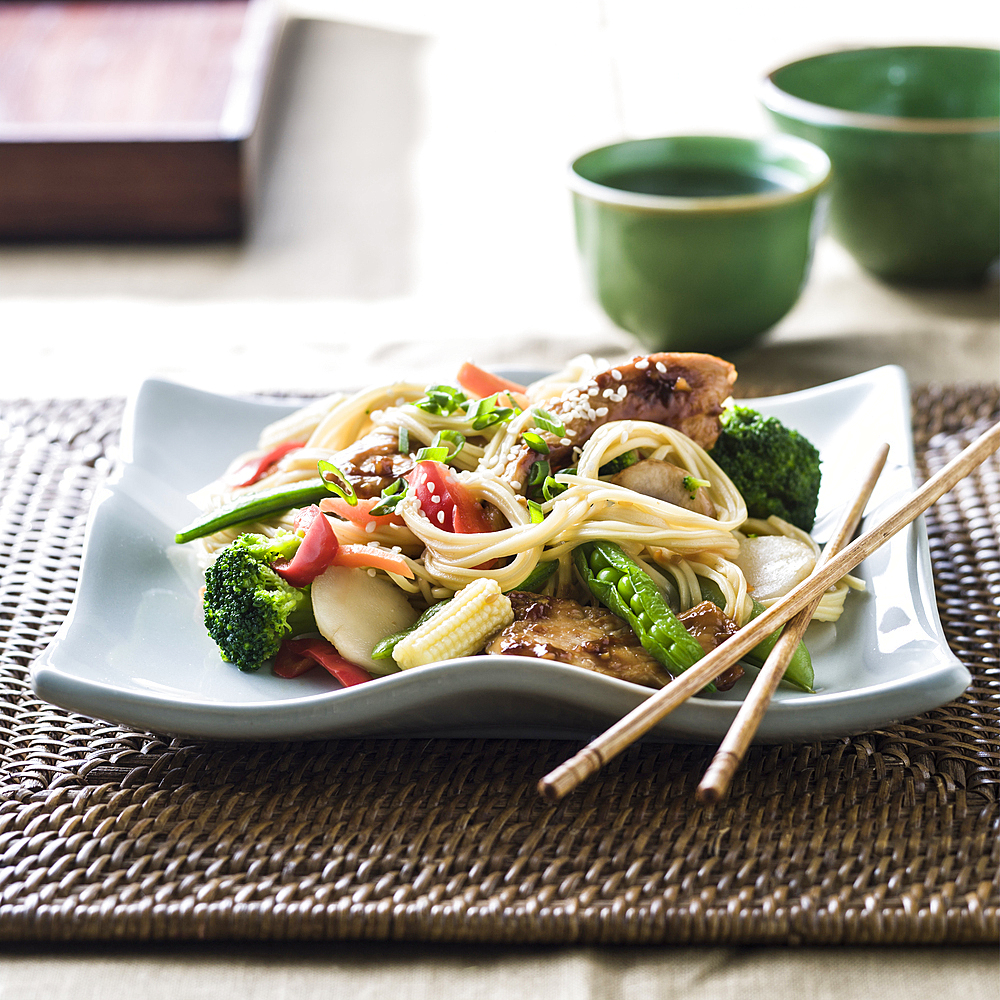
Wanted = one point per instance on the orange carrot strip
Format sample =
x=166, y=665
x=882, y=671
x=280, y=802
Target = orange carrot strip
x=358, y=515
x=368, y=556
x=483, y=383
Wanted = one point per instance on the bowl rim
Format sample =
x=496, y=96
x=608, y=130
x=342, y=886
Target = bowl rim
x=619, y=198
x=783, y=103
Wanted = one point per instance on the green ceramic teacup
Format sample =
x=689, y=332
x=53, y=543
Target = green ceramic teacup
x=698, y=242
x=914, y=136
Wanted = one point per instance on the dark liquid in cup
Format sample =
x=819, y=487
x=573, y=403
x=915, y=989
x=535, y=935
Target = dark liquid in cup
x=690, y=182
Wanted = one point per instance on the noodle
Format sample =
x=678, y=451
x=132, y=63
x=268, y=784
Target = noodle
x=679, y=548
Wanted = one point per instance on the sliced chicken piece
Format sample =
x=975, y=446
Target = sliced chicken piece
x=712, y=627
x=683, y=391
x=373, y=462
x=664, y=481
x=551, y=628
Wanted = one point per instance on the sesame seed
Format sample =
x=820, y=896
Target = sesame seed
x=371, y=572
x=565, y=442
x=370, y=527
x=400, y=401
x=642, y=364
x=592, y=414
x=515, y=484
x=440, y=516
x=593, y=390
x=397, y=549
x=435, y=499
x=432, y=487
x=608, y=394
x=624, y=437
x=616, y=374
x=661, y=367
x=601, y=411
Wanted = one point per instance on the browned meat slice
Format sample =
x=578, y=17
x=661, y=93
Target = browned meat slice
x=664, y=481
x=373, y=462
x=683, y=391
x=711, y=627
x=551, y=628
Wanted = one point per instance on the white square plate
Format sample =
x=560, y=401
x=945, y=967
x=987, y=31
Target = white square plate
x=133, y=649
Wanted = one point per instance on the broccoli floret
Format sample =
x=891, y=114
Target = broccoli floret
x=249, y=609
x=775, y=468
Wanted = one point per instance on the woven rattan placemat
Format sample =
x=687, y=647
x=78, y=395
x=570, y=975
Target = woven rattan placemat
x=109, y=834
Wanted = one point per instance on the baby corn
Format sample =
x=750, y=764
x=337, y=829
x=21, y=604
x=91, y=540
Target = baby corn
x=476, y=612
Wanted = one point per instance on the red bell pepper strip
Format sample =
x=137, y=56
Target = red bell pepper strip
x=313, y=555
x=446, y=503
x=255, y=470
x=296, y=656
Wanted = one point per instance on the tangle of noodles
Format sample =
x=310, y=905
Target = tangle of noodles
x=678, y=547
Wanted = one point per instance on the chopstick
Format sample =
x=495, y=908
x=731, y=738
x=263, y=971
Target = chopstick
x=748, y=719
x=642, y=718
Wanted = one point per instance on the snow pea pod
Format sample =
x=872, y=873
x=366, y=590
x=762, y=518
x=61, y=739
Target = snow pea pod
x=623, y=587
x=384, y=647
x=252, y=507
x=799, y=671
x=538, y=577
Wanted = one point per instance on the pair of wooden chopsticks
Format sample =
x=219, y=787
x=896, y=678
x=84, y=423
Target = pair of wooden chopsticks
x=799, y=602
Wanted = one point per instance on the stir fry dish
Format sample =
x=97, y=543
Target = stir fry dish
x=625, y=520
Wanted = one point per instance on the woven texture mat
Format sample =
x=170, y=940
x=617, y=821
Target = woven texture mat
x=109, y=834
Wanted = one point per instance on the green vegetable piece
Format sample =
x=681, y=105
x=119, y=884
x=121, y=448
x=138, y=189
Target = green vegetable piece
x=538, y=577
x=535, y=442
x=442, y=400
x=339, y=483
x=449, y=440
x=799, y=671
x=431, y=455
x=602, y=566
x=384, y=647
x=252, y=507
x=248, y=608
x=548, y=422
x=619, y=463
x=389, y=498
x=535, y=512
x=775, y=468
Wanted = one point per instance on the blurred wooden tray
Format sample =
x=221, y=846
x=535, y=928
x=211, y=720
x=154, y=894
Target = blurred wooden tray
x=131, y=120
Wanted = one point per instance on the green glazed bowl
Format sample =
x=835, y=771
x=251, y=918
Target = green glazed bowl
x=914, y=136
x=698, y=243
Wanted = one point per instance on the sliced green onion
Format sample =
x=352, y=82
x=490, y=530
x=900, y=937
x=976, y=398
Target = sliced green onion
x=547, y=422
x=540, y=471
x=536, y=512
x=442, y=400
x=449, y=439
x=431, y=455
x=403, y=446
x=535, y=442
x=391, y=496
x=551, y=488
x=488, y=412
x=339, y=484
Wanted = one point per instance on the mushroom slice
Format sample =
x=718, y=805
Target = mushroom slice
x=664, y=481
